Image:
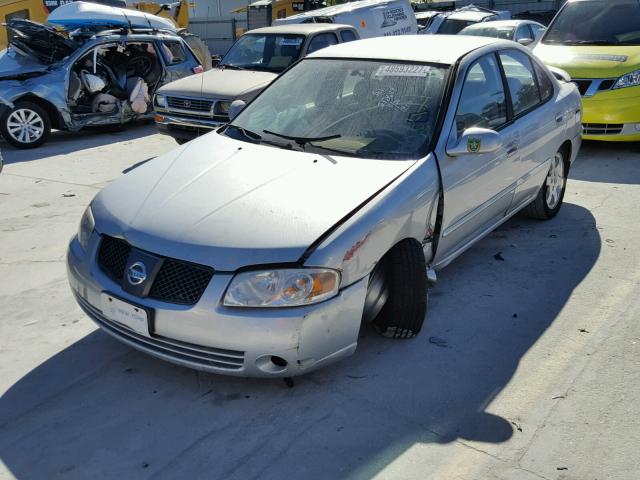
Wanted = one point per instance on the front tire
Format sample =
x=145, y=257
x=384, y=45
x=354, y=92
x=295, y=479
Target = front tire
x=405, y=291
x=27, y=125
x=549, y=200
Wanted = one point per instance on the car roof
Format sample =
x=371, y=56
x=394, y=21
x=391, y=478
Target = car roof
x=427, y=13
x=504, y=23
x=444, y=49
x=301, y=28
x=470, y=15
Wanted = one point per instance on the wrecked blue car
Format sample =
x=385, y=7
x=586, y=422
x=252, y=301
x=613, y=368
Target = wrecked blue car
x=70, y=80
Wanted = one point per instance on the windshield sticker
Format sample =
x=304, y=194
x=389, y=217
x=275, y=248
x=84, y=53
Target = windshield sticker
x=291, y=41
x=402, y=70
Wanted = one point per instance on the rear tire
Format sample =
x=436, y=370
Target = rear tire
x=199, y=48
x=26, y=125
x=403, y=314
x=549, y=200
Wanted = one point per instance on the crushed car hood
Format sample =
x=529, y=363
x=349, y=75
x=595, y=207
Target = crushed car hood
x=220, y=83
x=230, y=204
x=16, y=65
x=43, y=43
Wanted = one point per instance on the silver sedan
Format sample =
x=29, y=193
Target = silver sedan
x=330, y=200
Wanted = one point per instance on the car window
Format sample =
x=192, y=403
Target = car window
x=347, y=36
x=272, y=52
x=173, y=52
x=483, y=100
x=524, y=32
x=544, y=82
x=321, y=41
x=521, y=80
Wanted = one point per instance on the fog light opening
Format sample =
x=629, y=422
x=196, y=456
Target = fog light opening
x=278, y=361
x=272, y=364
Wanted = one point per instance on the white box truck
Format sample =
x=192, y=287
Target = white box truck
x=372, y=18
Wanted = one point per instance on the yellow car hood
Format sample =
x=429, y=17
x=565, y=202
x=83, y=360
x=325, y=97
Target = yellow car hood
x=590, y=61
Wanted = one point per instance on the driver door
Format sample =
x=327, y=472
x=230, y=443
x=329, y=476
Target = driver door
x=478, y=187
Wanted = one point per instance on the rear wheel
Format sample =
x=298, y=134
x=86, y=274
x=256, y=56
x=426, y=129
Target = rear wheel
x=549, y=200
x=27, y=125
x=397, y=295
x=199, y=48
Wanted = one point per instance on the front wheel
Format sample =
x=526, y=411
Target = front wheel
x=397, y=296
x=549, y=200
x=26, y=125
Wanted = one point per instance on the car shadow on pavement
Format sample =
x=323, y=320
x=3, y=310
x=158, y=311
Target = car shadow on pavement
x=608, y=162
x=63, y=142
x=100, y=410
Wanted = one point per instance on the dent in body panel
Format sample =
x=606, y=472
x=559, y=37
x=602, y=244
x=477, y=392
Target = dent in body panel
x=403, y=210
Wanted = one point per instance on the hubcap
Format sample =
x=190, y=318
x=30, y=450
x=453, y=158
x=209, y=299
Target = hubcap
x=555, y=181
x=25, y=126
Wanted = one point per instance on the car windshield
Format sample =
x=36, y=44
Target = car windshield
x=271, y=52
x=597, y=22
x=370, y=109
x=451, y=26
x=488, y=31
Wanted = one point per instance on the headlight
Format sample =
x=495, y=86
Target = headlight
x=282, y=287
x=161, y=101
x=87, y=224
x=629, y=80
x=222, y=108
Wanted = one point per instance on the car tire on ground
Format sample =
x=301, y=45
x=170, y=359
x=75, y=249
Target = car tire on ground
x=26, y=125
x=199, y=48
x=403, y=270
x=549, y=200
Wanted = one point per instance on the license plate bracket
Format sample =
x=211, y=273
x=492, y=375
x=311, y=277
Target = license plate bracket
x=132, y=316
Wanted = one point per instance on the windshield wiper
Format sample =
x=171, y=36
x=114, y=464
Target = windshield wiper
x=302, y=141
x=247, y=133
x=231, y=67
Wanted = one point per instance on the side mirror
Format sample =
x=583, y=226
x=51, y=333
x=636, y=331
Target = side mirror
x=474, y=141
x=235, y=108
x=525, y=41
x=560, y=74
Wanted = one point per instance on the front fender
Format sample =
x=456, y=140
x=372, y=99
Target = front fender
x=403, y=210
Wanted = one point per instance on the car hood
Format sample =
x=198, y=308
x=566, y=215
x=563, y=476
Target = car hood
x=230, y=204
x=591, y=61
x=220, y=83
x=15, y=64
x=45, y=44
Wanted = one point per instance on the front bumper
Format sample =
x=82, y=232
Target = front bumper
x=210, y=337
x=612, y=115
x=184, y=127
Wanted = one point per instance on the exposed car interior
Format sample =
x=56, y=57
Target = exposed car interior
x=110, y=77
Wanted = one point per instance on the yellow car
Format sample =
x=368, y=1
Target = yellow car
x=598, y=43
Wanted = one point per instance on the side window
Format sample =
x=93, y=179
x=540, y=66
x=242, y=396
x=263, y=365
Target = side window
x=321, y=41
x=544, y=82
x=483, y=100
x=173, y=52
x=524, y=32
x=347, y=36
x=521, y=80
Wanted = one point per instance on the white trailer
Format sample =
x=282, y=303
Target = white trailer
x=372, y=18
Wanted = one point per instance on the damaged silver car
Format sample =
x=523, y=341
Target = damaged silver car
x=329, y=200
x=69, y=80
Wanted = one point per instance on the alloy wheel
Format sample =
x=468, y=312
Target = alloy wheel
x=25, y=125
x=555, y=181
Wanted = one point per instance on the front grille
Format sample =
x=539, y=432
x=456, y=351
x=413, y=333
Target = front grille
x=193, y=104
x=583, y=86
x=177, y=281
x=602, y=128
x=113, y=256
x=197, y=355
x=180, y=282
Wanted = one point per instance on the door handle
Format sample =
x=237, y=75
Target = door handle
x=559, y=118
x=512, y=151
